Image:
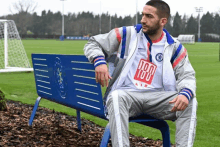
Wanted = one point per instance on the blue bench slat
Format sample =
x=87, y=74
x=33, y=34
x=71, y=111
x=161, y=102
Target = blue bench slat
x=79, y=58
x=48, y=57
x=42, y=77
x=88, y=109
x=89, y=101
x=42, y=74
x=88, y=66
x=42, y=71
x=44, y=88
x=43, y=82
x=39, y=66
x=87, y=95
x=87, y=88
x=43, y=61
x=90, y=105
x=44, y=93
x=39, y=60
x=84, y=80
x=90, y=75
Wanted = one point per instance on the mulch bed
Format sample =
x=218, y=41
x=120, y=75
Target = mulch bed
x=52, y=129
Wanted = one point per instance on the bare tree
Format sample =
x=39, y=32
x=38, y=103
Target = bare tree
x=23, y=6
x=22, y=10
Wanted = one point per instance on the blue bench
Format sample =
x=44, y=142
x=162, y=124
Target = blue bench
x=70, y=80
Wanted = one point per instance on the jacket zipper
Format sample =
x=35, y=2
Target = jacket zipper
x=127, y=62
x=163, y=67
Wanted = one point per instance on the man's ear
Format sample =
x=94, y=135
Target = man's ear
x=163, y=21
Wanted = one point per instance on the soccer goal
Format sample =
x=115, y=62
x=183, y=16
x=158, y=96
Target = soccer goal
x=13, y=57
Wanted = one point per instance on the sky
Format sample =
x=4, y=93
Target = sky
x=119, y=7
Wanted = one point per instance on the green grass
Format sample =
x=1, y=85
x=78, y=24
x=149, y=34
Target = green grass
x=203, y=56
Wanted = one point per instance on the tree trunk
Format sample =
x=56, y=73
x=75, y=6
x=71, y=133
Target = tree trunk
x=3, y=106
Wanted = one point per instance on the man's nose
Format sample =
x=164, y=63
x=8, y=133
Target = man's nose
x=143, y=19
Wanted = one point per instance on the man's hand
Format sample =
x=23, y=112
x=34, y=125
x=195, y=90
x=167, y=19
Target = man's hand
x=102, y=75
x=181, y=102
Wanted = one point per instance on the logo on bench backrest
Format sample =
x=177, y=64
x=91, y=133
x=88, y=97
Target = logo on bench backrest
x=60, y=78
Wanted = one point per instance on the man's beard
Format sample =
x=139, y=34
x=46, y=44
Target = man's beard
x=152, y=30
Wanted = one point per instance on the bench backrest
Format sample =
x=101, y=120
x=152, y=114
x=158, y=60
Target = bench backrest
x=68, y=80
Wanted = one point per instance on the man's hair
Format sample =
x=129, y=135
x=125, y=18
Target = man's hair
x=163, y=9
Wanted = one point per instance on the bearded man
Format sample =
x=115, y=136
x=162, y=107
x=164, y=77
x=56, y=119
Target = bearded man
x=149, y=72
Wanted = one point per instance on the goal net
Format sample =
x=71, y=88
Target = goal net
x=13, y=57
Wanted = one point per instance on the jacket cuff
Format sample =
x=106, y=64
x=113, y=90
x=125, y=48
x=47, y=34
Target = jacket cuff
x=98, y=61
x=186, y=92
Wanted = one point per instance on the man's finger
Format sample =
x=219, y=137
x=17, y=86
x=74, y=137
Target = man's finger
x=106, y=80
x=179, y=108
x=173, y=101
x=177, y=103
x=102, y=79
x=109, y=77
x=99, y=78
x=175, y=106
x=173, y=109
x=96, y=77
x=184, y=107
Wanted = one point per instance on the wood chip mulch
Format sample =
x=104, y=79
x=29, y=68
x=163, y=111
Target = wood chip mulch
x=52, y=129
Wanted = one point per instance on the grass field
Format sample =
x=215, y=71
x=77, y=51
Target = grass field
x=203, y=56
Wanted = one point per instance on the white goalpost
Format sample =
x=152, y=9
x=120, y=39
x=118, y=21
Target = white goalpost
x=13, y=57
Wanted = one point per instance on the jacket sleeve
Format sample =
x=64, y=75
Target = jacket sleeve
x=184, y=73
x=102, y=46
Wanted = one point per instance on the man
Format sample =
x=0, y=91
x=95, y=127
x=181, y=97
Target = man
x=151, y=73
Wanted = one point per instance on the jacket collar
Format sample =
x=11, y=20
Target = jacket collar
x=169, y=38
x=169, y=41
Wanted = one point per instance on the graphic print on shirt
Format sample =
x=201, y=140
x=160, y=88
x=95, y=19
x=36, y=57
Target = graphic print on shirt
x=144, y=74
x=159, y=57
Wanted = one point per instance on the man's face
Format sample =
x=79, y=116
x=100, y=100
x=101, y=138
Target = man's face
x=150, y=20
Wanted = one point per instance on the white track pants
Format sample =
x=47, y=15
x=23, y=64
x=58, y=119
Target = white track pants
x=122, y=104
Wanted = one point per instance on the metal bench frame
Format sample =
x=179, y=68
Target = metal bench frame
x=70, y=80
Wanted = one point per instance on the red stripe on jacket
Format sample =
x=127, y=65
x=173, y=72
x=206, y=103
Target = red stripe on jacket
x=148, y=45
x=118, y=35
x=148, y=52
x=180, y=58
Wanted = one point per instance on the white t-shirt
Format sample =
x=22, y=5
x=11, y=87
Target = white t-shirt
x=143, y=75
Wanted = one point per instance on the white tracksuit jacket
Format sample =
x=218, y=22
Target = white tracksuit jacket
x=178, y=74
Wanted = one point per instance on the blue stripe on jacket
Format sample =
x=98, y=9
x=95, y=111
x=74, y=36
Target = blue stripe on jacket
x=176, y=53
x=138, y=27
x=169, y=38
x=123, y=43
x=149, y=40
